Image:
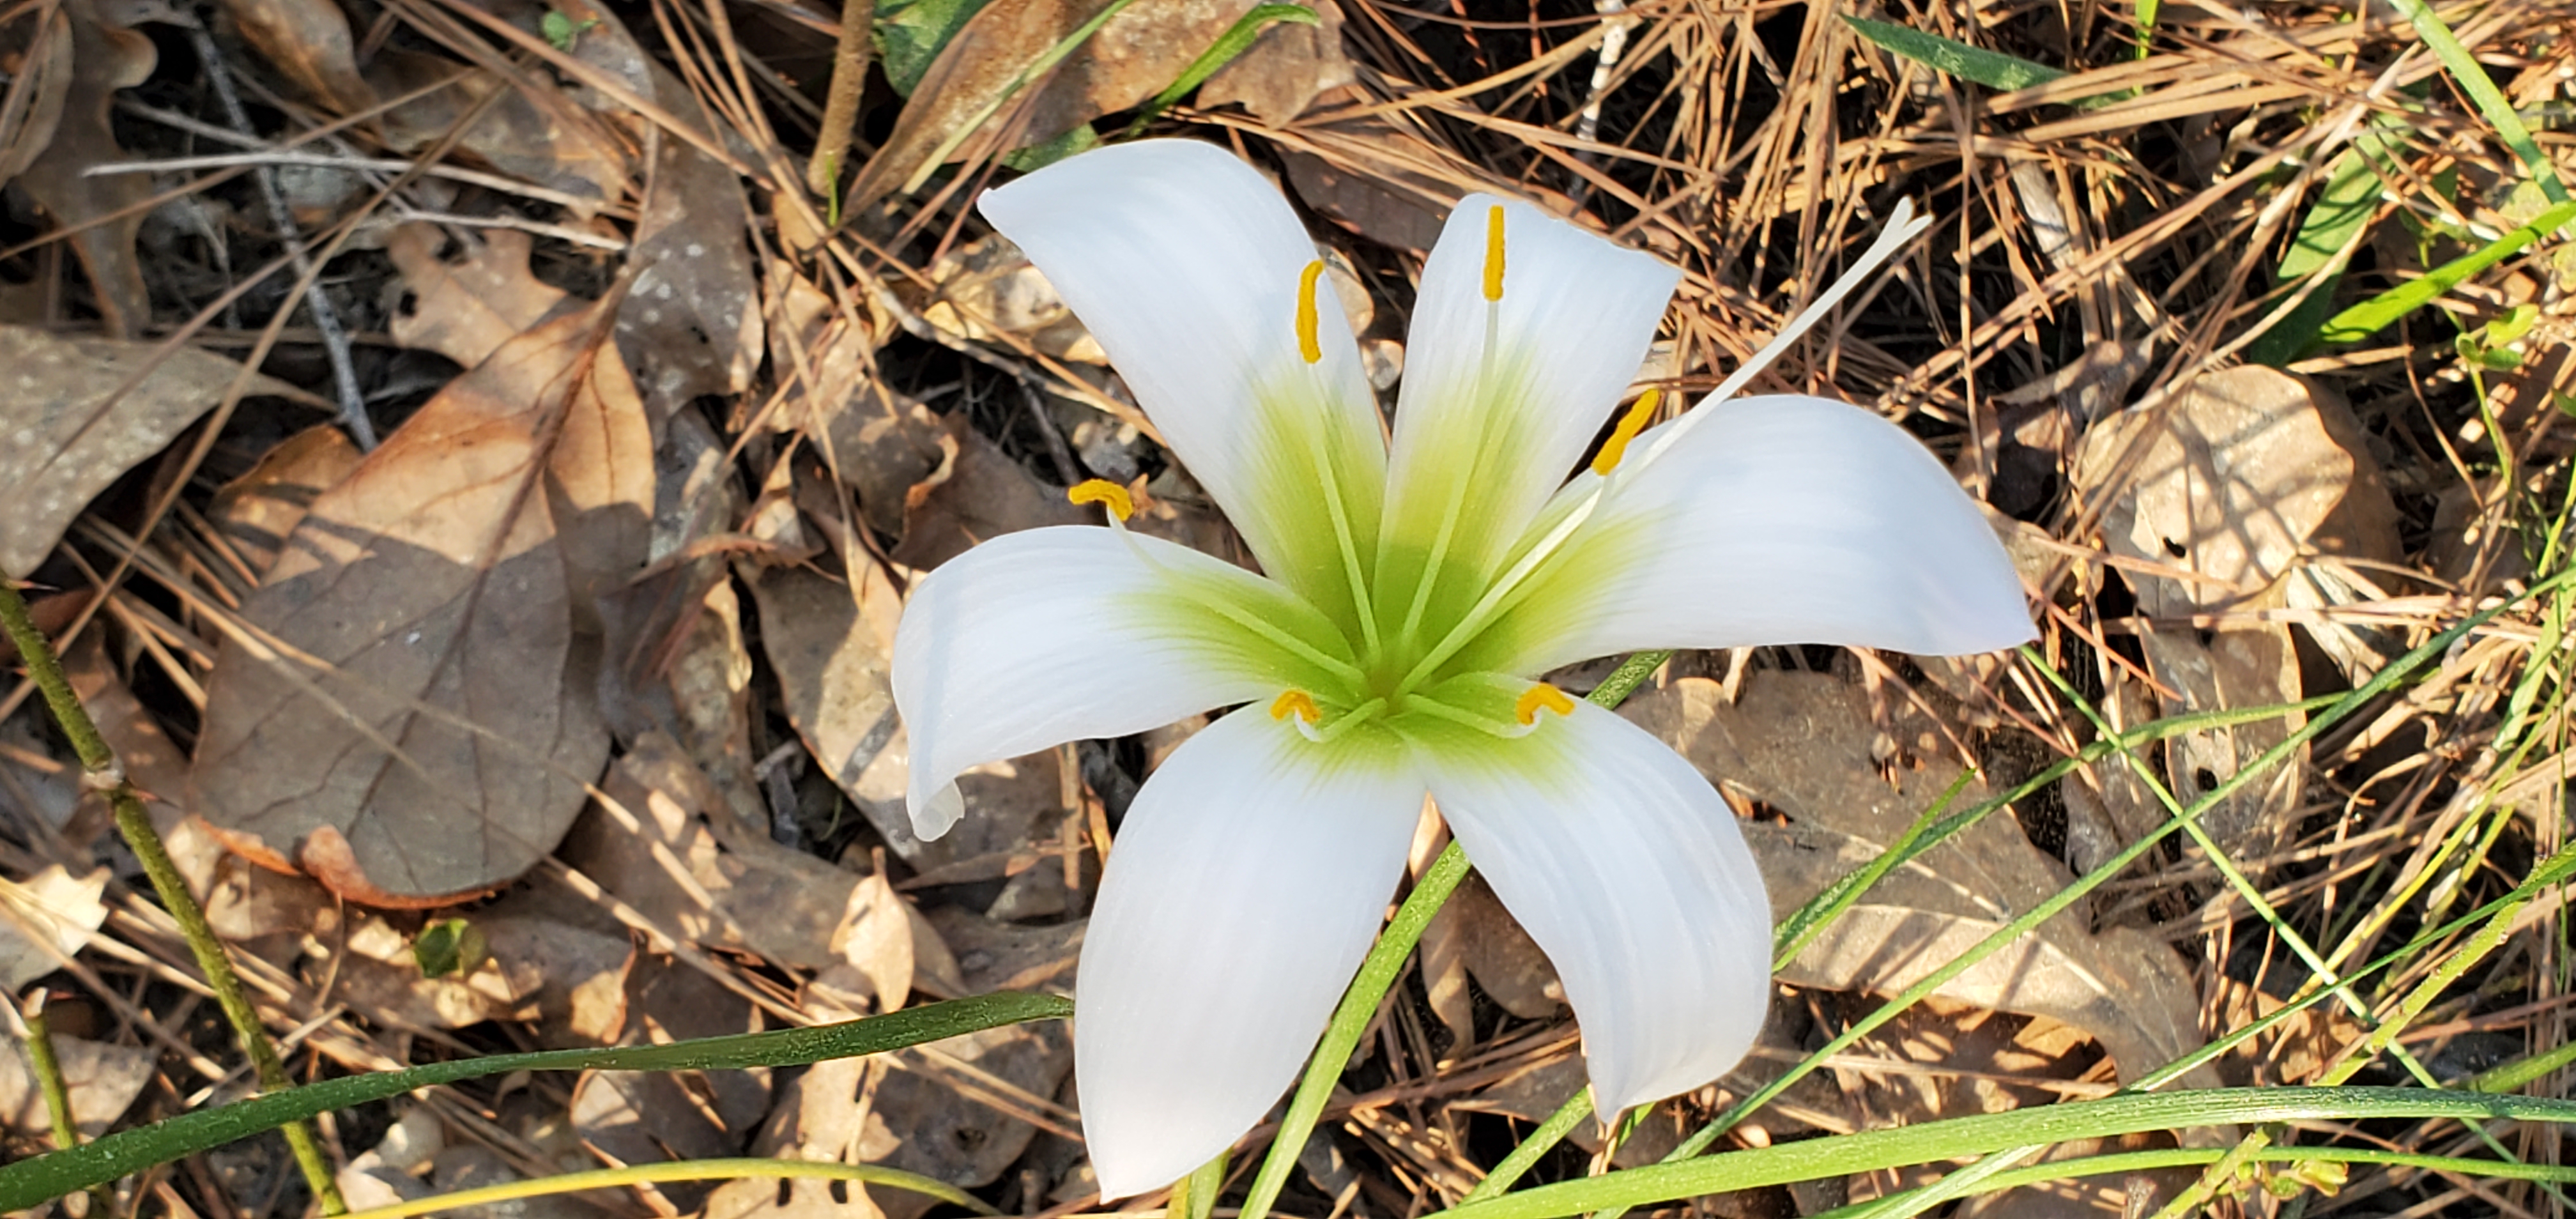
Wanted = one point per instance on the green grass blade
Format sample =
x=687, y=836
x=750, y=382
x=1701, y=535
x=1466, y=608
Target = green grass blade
x=2126, y=1162
x=2514, y=1076
x=1993, y=69
x=1985, y=1133
x=2471, y=76
x=1540, y=1141
x=28, y=1182
x=2365, y=319
x=1237, y=39
x=1378, y=972
x=2333, y=222
x=1359, y=1005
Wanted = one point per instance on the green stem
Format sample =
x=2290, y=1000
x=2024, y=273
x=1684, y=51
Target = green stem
x=49, y=1078
x=28, y=1182
x=1540, y=1141
x=1195, y=1196
x=1359, y=1004
x=100, y=771
x=58, y=1096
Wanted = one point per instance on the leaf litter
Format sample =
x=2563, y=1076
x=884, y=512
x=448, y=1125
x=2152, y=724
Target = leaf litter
x=589, y=656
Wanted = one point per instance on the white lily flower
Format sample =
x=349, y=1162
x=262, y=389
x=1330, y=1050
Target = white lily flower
x=1413, y=593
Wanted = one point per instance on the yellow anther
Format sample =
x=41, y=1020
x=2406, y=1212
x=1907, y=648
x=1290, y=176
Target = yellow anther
x=1494, y=253
x=1294, y=702
x=1103, y=491
x=1630, y=424
x=1541, y=695
x=1309, y=341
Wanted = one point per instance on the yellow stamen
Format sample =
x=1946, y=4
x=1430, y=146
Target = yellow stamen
x=1103, y=491
x=1494, y=253
x=1294, y=702
x=1629, y=425
x=1541, y=695
x=1309, y=342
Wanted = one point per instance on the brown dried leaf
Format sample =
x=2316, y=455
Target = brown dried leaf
x=941, y=1133
x=638, y=1117
x=48, y=908
x=257, y=511
x=103, y=1081
x=1128, y=60
x=876, y=937
x=882, y=445
x=877, y=441
x=540, y=136
x=822, y=1114
x=1802, y=744
x=549, y=960
x=106, y=57
x=307, y=42
x=1384, y=202
x=465, y=307
x=1975, y=1059
x=987, y=288
x=414, y=713
x=676, y=658
x=2243, y=479
x=66, y=432
x=1485, y=941
x=830, y=644
x=1534, y=1094
x=671, y=846
x=37, y=54
x=1284, y=71
x=984, y=495
x=691, y=327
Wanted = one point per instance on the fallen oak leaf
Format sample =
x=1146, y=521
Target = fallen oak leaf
x=307, y=42
x=408, y=710
x=2245, y=479
x=1801, y=744
x=81, y=412
x=38, y=59
x=466, y=307
x=103, y=213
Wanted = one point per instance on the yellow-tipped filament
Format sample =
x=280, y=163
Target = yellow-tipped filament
x=1630, y=424
x=1541, y=695
x=1309, y=339
x=1103, y=491
x=1295, y=702
x=1494, y=253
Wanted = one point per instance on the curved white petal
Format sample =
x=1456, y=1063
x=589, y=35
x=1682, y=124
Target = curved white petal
x=1050, y=635
x=1629, y=871
x=1185, y=264
x=1500, y=399
x=1243, y=889
x=1781, y=519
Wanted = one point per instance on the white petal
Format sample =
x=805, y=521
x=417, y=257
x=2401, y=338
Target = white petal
x=1628, y=870
x=1496, y=427
x=1776, y=520
x=1050, y=635
x=1185, y=264
x=1243, y=889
